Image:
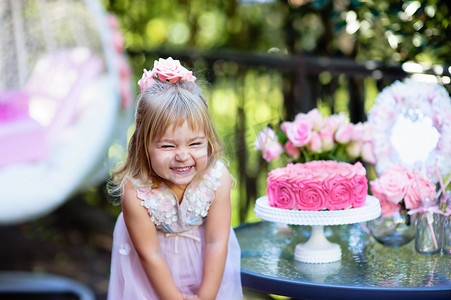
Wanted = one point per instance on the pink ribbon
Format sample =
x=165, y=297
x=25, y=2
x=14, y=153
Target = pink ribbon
x=447, y=212
x=429, y=209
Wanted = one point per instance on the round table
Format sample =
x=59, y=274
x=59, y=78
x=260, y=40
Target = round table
x=367, y=270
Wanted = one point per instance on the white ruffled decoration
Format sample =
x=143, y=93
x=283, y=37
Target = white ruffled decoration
x=433, y=101
x=162, y=203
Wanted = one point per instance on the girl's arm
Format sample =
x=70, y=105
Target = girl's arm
x=217, y=229
x=144, y=237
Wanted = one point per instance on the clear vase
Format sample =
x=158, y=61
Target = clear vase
x=446, y=234
x=394, y=231
x=428, y=232
x=446, y=226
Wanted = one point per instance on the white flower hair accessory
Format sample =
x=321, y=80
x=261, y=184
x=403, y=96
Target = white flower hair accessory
x=169, y=70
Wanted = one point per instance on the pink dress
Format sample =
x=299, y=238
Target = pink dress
x=181, y=233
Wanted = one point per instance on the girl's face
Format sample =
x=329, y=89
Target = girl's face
x=179, y=155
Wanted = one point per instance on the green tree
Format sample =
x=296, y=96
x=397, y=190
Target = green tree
x=386, y=30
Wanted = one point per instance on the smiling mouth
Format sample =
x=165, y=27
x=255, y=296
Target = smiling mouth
x=182, y=170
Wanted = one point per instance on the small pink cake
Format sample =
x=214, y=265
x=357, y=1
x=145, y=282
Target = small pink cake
x=318, y=185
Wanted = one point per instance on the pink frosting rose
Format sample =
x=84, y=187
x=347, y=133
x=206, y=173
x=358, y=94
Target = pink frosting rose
x=360, y=190
x=282, y=195
x=311, y=196
x=271, y=193
x=340, y=191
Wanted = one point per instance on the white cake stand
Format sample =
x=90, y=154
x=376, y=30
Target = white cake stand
x=318, y=249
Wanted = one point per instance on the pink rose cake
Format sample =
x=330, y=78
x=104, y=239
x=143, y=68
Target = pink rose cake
x=318, y=185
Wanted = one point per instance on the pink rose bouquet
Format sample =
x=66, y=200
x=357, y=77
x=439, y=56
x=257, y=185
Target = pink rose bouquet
x=311, y=137
x=401, y=189
x=169, y=70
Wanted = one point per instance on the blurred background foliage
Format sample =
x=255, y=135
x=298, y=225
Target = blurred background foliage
x=391, y=31
x=247, y=52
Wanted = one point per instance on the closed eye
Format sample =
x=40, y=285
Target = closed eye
x=166, y=146
x=197, y=143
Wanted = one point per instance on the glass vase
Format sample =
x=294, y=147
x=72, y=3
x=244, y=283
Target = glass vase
x=446, y=234
x=428, y=232
x=446, y=226
x=393, y=231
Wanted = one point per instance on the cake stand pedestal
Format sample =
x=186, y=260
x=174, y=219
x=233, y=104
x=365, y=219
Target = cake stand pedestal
x=318, y=249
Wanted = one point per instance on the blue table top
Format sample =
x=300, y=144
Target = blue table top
x=367, y=269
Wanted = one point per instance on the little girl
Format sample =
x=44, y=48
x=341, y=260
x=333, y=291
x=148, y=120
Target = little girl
x=173, y=239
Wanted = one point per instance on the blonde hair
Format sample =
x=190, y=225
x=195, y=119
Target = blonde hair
x=159, y=106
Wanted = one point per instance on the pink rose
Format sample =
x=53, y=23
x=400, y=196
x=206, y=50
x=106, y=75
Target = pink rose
x=367, y=153
x=311, y=196
x=367, y=132
x=267, y=142
x=171, y=70
x=315, y=142
x=265, y=137
x=299, y=132
x=358, y=132
x=360, y=190
x=292, y=150
x=327, y=138
x=272, y=151
x=344, y=133
x=353, y=149
x=340, y=191
x=335, y=121
x=283, y=196
x=316, y=119
x=419, y=188
x=146, y=80
x=388, y=209
x=393, y=184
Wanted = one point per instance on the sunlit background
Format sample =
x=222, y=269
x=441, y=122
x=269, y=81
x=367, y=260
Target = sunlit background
x=258, y=62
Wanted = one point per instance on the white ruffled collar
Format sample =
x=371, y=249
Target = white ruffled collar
x=164, y=209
